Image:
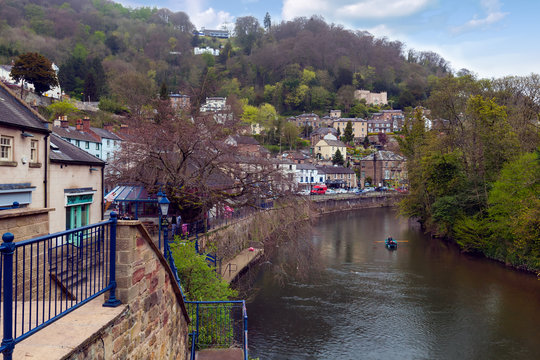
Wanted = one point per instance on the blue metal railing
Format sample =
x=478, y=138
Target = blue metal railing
x=221, y=324
x=218, y=324
x=47, y=277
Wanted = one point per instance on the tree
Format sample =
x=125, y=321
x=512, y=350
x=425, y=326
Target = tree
x=90, y=88
x=290, y=133
x=383, y=139
x=248, y=32
x=163, y=92
x=348, y=134
x=192, y=161
x=267, y=22
x=35, y=69
x=61, y=108
x=338, y=159
x=366, y=143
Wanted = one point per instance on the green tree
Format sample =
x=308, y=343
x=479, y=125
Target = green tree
x=348, y=135
x=338, y=159
x=514, y=212
x=163, y=92
x=366, y=143
x=35, y=69
x=290, y=134
x=61, y=108
x=267, y=22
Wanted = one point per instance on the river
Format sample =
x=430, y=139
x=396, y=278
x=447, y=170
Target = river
x=424, y=300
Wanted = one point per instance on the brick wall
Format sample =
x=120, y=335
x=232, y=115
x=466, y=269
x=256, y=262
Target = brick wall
x=154, y=324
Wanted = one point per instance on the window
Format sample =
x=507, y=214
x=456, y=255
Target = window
x=34, y=151
x=97, y=146
x=108, y=142
x=301, y=179
x=6, y=148
x=87, y=144
x=78, y=143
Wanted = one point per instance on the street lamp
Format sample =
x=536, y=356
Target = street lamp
x=163, y=203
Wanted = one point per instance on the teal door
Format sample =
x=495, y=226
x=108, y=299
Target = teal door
x=76, y=216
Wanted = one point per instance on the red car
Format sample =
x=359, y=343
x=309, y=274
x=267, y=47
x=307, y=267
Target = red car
x=319, y=190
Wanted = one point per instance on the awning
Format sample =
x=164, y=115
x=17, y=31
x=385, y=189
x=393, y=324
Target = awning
x=130, y=193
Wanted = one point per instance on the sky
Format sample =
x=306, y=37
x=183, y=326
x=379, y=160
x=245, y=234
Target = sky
x=491, y=38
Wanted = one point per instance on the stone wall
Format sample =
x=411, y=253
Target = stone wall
x=154, y=324
x=25, y=223
x=324, y=206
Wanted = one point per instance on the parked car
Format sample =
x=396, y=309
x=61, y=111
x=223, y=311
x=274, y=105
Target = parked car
x=303, y=192
x=369, y=189
x=319, y=190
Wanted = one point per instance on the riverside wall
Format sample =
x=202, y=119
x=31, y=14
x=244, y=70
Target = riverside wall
x=154, y=322
x=325, y=205
x=255, y=230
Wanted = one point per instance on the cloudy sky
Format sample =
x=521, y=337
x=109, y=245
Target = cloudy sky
x=492, y=38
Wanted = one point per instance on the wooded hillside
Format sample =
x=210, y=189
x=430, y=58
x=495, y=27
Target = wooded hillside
x=300, y=65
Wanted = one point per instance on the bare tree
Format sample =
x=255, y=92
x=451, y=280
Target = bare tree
x=194, y=163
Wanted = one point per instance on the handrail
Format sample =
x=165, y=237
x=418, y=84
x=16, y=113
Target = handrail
x=49, y=276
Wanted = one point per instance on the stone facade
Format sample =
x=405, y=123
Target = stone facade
x=154, y=324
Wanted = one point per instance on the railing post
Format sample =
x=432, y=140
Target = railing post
x=244, y=312
x=112, y=301
x=8, y=248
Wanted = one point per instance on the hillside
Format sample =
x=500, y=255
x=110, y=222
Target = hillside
x=300, y=65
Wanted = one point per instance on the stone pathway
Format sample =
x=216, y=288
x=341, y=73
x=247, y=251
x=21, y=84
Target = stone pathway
x=59, y=338
x=220, y=354
x=233, y=268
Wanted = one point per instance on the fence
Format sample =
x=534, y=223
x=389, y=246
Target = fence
x=221, y=324
x=218, y=324
x=47, y=277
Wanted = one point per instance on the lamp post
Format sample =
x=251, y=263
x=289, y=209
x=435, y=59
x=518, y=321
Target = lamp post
x=163, y=203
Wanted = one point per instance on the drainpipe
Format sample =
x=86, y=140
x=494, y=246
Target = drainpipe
x=45, y=177
x=374, y=169
x=102, y=192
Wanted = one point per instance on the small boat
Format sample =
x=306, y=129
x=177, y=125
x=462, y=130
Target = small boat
x=390, y=243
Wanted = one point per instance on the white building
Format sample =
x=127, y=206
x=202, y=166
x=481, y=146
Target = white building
x=308, y=175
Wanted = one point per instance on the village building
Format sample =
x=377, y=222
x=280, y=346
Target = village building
x=326, y=148
x=359, y=126
x=383, y=168
x=371, y=98
x=339, y=176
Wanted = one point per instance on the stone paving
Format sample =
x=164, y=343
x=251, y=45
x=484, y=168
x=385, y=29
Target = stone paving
x=220, y=354
x=65, y=334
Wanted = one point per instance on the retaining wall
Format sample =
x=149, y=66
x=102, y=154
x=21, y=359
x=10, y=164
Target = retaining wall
x=154, y=323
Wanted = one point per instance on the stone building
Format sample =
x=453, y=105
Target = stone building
x=359, y=126
x=371, y=98
x=383, y=168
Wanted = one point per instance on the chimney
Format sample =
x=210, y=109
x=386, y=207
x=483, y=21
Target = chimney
x=86, y=124
x=57, y=122
x=108, y=127
x=79, y=125
x=124, y=126
x=64, y=122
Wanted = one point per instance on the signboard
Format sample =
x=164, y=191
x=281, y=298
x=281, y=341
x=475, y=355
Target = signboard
x=79, y=199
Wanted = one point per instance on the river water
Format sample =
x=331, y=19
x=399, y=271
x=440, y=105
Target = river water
x=424, y=300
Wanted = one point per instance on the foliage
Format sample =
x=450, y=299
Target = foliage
x=109, y=105
x=199, y=281
x=35, y=69
x=61, y=108
x=338, y=159
x=348, y=135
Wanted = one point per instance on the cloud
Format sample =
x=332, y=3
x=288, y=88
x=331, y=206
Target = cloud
x=208, y=18
x=352, y=9
x=493, y=15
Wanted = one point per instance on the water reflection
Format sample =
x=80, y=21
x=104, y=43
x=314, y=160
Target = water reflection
x=423, y=301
